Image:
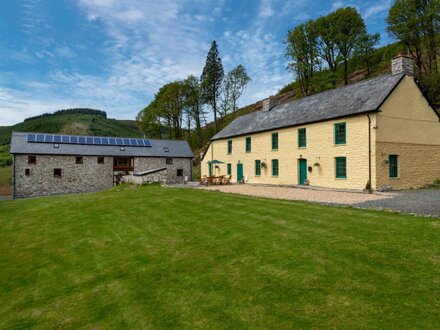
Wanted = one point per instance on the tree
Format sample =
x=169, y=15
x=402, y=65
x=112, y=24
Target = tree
x=193, y=103
x=327, y=29
x=365, y=49
x=165, y=111
x=211, y=80
x=233, y=87
x=350, y=26
x=302, y=50
x=416, y=24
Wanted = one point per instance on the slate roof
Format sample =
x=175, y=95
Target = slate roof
x=361, y=97
x=177, y=149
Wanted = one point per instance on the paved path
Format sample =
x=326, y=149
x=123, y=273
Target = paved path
x=423, y=202
x=420, y=201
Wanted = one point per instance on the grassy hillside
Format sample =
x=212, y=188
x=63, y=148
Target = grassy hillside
x=154, y=257
x=67, y=123
x=72, y=124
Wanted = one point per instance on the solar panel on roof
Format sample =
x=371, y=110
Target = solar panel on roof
x=67, y=139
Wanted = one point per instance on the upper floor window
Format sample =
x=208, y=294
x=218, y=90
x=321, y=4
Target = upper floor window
x=340, y=133
x=248, y=144
x=169, y=161
x=229, y=147
x=274, y=141
x=100, y=160
x=341, y=167
x=32, y=160
x=393, y=166
x=302, y=140
x=78, y=160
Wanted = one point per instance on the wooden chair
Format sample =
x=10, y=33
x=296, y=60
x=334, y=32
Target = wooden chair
x=227, y=179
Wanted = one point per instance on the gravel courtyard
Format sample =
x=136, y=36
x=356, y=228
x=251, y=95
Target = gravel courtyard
x=423, y=202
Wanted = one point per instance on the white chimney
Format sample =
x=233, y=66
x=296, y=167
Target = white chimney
x=402, y=64
x=268, y=103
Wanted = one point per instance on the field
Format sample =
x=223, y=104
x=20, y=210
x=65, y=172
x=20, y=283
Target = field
x=183, y=258
x=5, y=180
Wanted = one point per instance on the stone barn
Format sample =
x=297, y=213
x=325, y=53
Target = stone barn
x=50, y=164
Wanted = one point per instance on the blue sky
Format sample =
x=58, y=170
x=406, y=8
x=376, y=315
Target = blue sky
x=114, y=54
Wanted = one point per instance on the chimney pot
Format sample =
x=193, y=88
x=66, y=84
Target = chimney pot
x=402, y=63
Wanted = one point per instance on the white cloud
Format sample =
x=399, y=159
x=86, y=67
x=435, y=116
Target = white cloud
x=376, y=9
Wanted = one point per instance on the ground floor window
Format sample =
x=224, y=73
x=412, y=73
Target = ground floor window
x=275, y=167
x=229, y=169
x=179, y=172
x=393, y=166
x=341, y=167
x=257, y=167
x=27, y=171
x=57, y=173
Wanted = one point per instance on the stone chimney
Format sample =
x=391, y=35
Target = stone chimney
x=268, y=103
x=402, y=64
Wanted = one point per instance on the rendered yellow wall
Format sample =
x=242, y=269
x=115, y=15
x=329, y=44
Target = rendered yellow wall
x=409, y=128
x=320, y=149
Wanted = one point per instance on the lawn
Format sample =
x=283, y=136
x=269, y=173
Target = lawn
x=5, y=180
x=155, y=257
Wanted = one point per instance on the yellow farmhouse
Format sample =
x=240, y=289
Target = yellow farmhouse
x=380, y=133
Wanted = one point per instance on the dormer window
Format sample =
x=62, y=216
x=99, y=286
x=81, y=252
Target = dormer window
x=166, y=149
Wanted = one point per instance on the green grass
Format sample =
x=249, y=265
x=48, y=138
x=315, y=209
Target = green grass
x=181, y=258
x=5, y=176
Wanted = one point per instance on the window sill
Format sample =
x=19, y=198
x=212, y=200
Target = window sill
x=394, y=178
x=248, y=152
x=274, y=176
x=339, y=144
x=341, y=178
x=257, y=176
x=274, y=149
x=302, y=147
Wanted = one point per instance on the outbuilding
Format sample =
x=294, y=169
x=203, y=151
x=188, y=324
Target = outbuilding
x=48, y=164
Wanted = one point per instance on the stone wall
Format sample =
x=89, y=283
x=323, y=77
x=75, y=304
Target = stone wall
x=86, y=177
x=150, y=163
x=418, y=165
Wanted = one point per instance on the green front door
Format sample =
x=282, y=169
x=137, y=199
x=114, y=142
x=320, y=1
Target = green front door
x=302, y=171
x=239, y=172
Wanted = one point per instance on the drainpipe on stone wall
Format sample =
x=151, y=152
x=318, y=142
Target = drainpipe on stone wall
x=368, y=186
